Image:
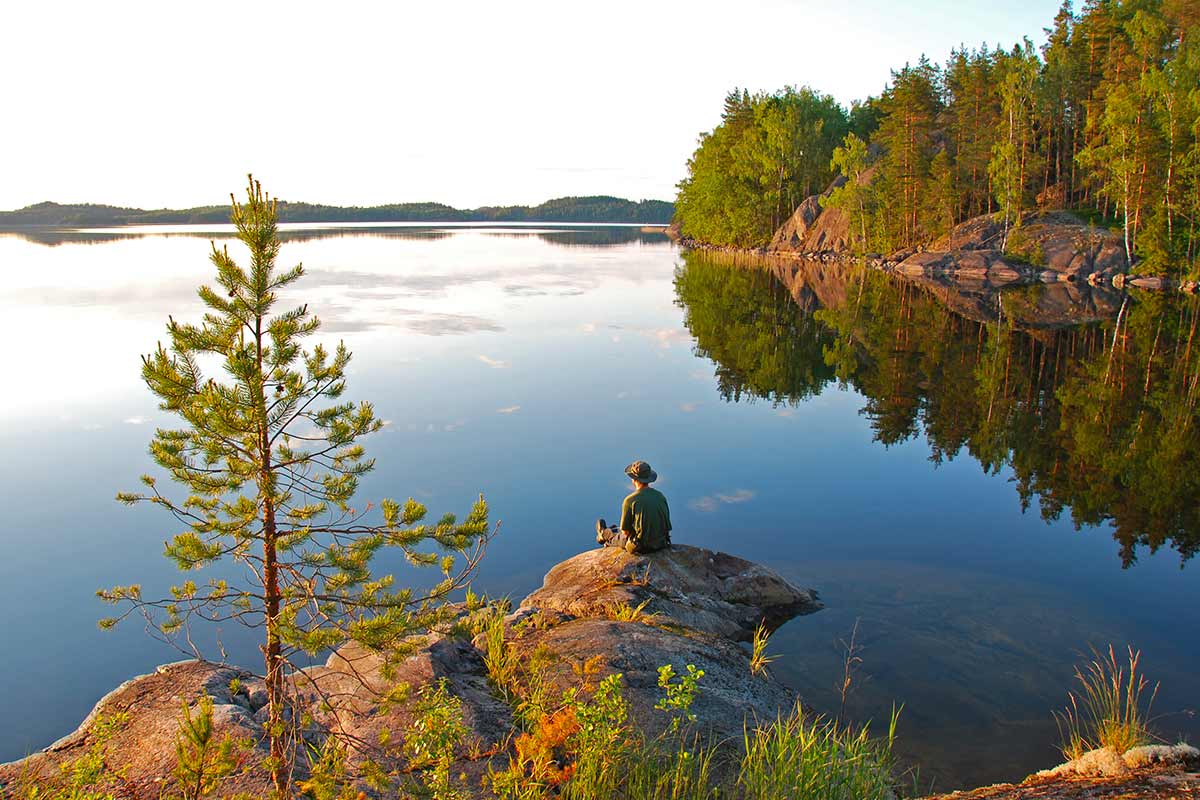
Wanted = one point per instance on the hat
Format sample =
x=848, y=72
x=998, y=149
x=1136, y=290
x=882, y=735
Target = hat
x=640, y=471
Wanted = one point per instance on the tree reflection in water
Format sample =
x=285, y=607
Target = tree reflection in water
x=1089, y=399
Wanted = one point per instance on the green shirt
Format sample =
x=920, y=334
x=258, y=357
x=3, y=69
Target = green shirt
x=646, y=520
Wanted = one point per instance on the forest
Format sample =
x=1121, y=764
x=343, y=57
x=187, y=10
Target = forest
x=599, y=208
x=1104, y=121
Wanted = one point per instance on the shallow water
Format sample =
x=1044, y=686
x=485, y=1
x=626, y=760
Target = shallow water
x=792, y=422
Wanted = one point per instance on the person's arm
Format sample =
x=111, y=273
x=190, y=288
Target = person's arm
x=627, y=517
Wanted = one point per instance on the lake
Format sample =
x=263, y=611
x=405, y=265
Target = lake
x=981, y=485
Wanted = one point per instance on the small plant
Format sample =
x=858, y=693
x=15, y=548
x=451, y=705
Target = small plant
x=601, y=720
x=644, y=578
x=1110, y=709
x=328, y=777
x=432, y=737
x=796, y=757
x=533, y=690
x=1024, y=248
x=623, y=612
x=500, y=660
x=201, y=763
x=542, y=753
x=586, y=671
x=674, y=768
x=851, y=661
x=758, y=651
x=678, y=697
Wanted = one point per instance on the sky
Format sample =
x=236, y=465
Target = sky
x=163, y=104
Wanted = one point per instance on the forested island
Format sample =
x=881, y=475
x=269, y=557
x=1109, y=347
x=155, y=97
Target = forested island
x=1103, y=122
x=597, y=208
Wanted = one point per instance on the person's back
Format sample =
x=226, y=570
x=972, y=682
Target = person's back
x=646, y=520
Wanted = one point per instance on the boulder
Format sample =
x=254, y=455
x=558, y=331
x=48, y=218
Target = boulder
x=793, y=233
x=1150, y=282
x=1056, y=241
x=1052, y=197
x=706, y=591
x=142, y=747
x=352, y=681
x=1104, y=762
x=978, y=233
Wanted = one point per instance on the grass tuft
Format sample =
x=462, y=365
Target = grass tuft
x=1111, y=707
x=758, y=651
x=799, y=757
x=502, y=664
x=623, y=612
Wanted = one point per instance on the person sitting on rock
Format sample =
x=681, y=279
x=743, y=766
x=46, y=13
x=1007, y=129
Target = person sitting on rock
x=645, y=518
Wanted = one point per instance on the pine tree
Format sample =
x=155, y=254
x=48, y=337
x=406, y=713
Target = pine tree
x=270, y=459
x=974, y=112
x=1061, y=105
x=911, y=106
x=201, y=762
x=942, y=200
x=1010, y=155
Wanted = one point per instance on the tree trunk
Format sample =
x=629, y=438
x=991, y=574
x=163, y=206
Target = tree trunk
x=273, y=650
x=273, y=655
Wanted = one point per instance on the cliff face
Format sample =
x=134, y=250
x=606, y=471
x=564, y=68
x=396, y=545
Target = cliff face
x=814, y=229
x=694, y=605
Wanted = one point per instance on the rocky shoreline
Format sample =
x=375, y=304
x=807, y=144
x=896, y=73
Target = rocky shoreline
x=601, y=612
x=1051, y=247
x=610, y=610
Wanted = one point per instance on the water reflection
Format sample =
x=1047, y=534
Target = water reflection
x=1089, y=398
x=584, y=236
x=569, y=362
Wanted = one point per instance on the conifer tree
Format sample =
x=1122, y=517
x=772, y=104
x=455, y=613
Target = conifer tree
x=1010, y=155
x=270, y=459
x=911, y=106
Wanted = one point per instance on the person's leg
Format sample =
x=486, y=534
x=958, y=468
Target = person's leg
x=609, y=535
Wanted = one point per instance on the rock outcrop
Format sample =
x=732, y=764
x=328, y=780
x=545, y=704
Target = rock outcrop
x=142, y=747
x=1156, y=772
x=608, y=609
x=1056, y=241
x=815, y=229
x=705, y=591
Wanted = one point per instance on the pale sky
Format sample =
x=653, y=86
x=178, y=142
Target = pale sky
x=468, y=103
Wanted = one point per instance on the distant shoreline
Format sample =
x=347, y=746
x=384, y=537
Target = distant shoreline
x=574, y=210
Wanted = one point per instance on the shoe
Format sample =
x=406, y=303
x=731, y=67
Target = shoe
x=603, y=534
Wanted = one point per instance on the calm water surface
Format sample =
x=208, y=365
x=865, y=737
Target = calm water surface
x=920, y=458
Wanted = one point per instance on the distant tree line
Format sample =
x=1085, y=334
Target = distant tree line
x=1105, y=120
x=599, y=208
